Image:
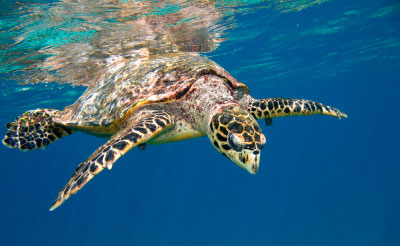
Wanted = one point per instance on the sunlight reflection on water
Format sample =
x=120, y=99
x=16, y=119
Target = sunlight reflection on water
x=72, y=42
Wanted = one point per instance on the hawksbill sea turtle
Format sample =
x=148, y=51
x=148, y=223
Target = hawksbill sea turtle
x=159, y=98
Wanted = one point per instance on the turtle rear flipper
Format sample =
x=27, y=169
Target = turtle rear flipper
x=34, y=129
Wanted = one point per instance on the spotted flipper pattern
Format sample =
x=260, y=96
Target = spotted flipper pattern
x=34, y=129
x=149, y=125
x=278, y=107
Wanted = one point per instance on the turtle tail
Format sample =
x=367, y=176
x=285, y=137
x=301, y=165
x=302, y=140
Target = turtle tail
x=34, y=129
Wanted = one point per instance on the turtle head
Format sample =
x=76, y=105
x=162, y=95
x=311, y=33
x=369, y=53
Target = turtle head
x=237, y=135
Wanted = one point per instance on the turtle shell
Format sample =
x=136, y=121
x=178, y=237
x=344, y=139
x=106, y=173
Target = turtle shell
x=132, y=83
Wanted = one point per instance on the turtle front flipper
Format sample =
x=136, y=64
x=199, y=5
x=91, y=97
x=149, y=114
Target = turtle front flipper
x=278, y=107
x=34, y=129
x=144, y=127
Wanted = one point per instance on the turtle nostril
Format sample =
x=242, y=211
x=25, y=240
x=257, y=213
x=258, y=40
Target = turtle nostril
x=256, y=152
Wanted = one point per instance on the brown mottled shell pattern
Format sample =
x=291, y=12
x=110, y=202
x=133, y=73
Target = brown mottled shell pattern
x=130, y=84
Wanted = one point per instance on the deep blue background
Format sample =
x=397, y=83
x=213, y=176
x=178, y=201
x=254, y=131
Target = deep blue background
x=321, y=181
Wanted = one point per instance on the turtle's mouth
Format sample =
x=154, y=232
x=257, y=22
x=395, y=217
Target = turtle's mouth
x=246, y=159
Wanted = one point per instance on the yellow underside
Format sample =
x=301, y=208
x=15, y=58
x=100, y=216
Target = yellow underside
x=167, y=137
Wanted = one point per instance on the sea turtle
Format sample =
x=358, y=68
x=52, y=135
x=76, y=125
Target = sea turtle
x=158, y=99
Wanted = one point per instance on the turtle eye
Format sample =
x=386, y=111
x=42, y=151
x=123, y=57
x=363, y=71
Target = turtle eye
x=234, y=142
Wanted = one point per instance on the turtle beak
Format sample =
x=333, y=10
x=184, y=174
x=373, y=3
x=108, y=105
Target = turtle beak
x=253, y=162
x=247, y=159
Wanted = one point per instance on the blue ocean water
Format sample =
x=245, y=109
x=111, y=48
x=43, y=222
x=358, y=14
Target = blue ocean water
x=321, y=181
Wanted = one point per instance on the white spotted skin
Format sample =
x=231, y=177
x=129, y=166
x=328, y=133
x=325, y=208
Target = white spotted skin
x=194, y=111
x=207, y=94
